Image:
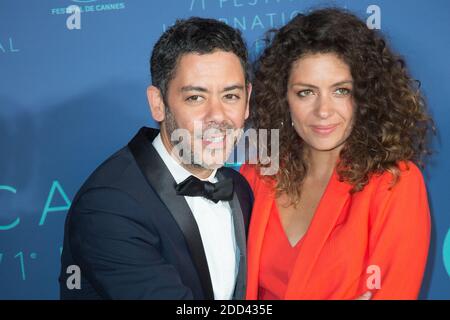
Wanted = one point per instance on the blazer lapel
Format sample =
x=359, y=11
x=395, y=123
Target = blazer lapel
x=163, y=184
x=264, y=197
x=240, y=236
x=327, y=213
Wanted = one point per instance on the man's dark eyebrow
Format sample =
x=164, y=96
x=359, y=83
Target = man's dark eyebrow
x=202, y=89
x=233, y=87
x=193, y=88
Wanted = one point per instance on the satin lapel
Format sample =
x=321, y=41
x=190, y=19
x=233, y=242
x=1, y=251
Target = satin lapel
x=330, y=207
x=264, y=197
x=159, y=177
x=239, y=230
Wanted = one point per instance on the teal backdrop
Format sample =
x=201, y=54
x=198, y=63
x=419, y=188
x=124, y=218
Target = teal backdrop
x=72, y=91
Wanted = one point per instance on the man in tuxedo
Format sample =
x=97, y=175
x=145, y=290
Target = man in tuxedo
x=162, y=218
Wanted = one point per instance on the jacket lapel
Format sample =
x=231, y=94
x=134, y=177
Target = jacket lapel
x=163, y=184
x=327, y=213
x=264, y=197
x=240, y=236
x=330, y=207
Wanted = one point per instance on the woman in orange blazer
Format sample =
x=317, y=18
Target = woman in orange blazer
x=347, y=210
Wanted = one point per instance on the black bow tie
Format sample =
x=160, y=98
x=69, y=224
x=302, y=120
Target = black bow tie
x=194, y=187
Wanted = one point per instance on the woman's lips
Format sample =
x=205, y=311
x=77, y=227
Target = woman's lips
x=324, y=130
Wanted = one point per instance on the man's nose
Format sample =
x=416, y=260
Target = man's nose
x=216, y=111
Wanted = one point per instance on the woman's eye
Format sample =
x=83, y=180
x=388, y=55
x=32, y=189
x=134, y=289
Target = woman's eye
x=342, y=91
x=304, y=93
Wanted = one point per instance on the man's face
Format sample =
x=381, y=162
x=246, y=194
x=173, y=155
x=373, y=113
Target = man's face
x=207, y=99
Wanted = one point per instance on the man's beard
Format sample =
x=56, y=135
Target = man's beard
x=190, y=160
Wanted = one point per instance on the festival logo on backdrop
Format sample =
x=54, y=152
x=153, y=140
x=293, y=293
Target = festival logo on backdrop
x=77, y=8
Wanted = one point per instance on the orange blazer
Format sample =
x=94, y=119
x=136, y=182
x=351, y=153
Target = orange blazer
x=374, y=239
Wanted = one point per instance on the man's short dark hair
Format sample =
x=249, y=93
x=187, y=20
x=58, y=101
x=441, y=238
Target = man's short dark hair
x=194, y=35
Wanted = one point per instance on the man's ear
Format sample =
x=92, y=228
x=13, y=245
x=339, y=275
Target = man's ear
x=249, y=94
x=156, y=103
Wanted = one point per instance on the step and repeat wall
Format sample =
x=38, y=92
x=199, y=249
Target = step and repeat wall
x=73, y=75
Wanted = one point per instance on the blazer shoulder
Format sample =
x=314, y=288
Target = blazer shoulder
x=117, y=174
x=409, y=176
x=117, y=189
x=112, y=172
x=404, y=196
x=409, y=168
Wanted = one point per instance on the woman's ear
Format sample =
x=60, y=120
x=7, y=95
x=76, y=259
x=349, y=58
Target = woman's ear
x=156, y=103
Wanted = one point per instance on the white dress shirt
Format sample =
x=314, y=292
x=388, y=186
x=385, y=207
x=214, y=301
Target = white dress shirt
x=215, y=223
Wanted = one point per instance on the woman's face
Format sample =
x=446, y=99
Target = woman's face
x=320, y=100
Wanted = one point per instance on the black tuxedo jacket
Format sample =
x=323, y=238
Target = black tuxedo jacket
x=133, y=238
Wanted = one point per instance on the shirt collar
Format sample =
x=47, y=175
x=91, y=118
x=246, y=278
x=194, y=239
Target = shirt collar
x=178, y=172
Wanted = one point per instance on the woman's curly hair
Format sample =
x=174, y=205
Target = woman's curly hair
x=391, y=123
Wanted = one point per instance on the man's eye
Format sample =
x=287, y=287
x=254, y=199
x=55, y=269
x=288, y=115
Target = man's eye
x=231, y=96
x=194, y=98
x=342, y=91
x=304, y=93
